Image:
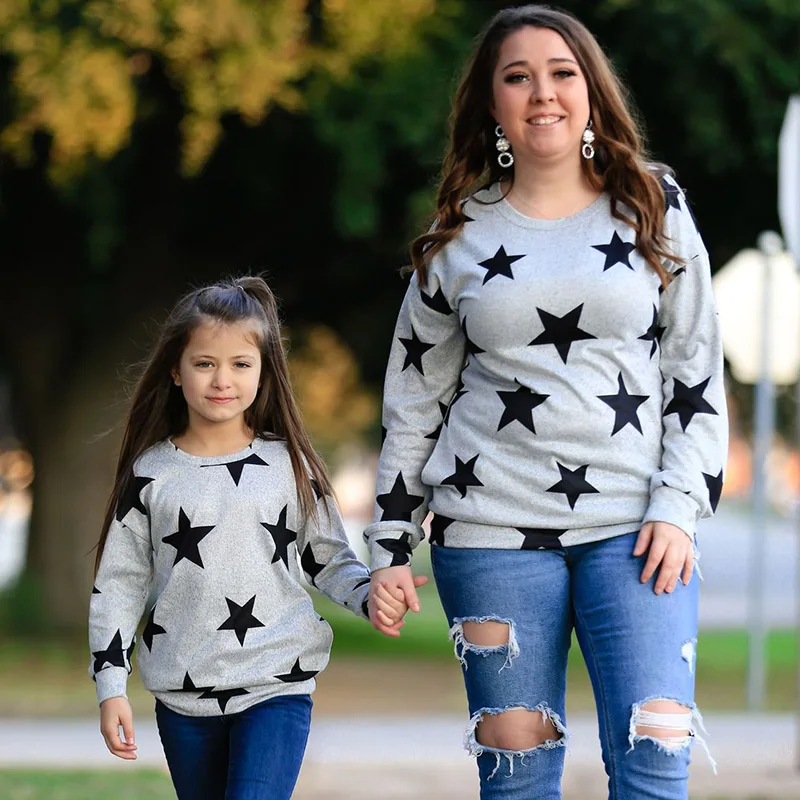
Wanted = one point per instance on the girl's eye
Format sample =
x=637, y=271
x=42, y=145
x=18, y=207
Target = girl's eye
x=565, y=73
x=516, y=77
x=203, y=364
x=242, y=364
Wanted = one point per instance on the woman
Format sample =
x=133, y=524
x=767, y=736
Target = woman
x=554, y=396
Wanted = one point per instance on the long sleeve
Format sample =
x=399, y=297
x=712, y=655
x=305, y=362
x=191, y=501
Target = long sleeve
x=328, y=561
x=695, y=423
x=119, y=594
x=425, y=361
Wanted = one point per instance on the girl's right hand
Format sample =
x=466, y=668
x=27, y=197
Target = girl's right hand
x=115, y=713
x=394, y=578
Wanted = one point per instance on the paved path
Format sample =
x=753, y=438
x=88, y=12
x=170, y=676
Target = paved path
x=403, y=758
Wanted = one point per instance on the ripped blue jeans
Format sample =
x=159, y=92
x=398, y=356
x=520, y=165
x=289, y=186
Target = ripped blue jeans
x=638, y=646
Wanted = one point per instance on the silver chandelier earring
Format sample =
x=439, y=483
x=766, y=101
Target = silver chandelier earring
x=505, y=158
x=588, y=137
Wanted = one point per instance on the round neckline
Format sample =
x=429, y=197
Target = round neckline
x=220, y=459
x=494, y=196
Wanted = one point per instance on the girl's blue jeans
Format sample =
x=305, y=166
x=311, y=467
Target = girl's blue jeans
x=638, y=647
x=252, y=755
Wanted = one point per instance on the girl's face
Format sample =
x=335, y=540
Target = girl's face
x=219, y=372
x=541, y=99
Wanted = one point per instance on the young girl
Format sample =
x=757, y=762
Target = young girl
x=217, y=492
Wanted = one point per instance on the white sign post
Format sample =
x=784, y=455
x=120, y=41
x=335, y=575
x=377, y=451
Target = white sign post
x=758, y=296
x=789, y=212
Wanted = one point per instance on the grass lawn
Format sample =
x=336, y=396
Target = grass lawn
x=79, y=785
x=48, y=678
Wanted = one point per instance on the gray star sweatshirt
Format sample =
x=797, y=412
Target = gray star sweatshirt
x=542, y=389
x=215, y=540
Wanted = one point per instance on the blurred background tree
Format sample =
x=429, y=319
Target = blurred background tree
x=151, y=144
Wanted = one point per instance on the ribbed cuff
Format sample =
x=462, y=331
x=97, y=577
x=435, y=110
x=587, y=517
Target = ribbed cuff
x=111, y=682
x=391, y=543
x=675, y=507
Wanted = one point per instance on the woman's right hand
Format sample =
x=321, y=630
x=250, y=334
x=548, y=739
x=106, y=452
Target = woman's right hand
x=116, y=712
x=394, y=578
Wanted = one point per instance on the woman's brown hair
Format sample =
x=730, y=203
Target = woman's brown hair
x=159, y=410
x=619, y=166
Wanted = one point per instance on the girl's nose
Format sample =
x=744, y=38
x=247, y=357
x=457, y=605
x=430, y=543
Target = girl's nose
x=221, y=379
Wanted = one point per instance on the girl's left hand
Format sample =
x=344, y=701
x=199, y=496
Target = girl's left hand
x=670, y=548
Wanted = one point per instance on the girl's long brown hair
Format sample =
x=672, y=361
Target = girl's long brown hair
x=159, y=411
x=619, y=167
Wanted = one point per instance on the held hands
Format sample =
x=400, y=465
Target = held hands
x=392, y=592
x=670, y=548
x=116, y=712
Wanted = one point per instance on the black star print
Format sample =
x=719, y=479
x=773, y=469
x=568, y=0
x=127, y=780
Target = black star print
x=688, y=401
x=671, y=195
x=467, y=217
x=297, y=674
x=443, y=411
x=464, y=476
x=282, y=536
x=188, y=686
x=457, y=395
x=131, y=498
x=362, y=582
x=714, y=484
x=318, y=493
x=472, y=348
x=674, y=275
x=113, y=655
x=399, y=504
x=439, y=525
x=625, y=406
x=383, y=435
x=540, y=538
x=415, y=349
x=237, y=467
x=241, y=619
x=499, y=264
x=519, y=406
x=561, y=331
x=616, y=251
x=187, y=539
x=95, y=590
x=399, y=548
x=222, y=696
x=437, y=302
x=151, y=629
x=310, y=565
x=573, y=483
x=653, y=333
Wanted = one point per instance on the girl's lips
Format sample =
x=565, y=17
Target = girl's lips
x=221, y=400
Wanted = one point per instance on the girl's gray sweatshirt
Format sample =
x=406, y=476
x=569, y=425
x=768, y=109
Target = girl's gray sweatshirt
x=216, y=540
x=544, y=390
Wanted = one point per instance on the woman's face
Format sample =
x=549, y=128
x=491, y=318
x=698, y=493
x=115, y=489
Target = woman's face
x=541, y=99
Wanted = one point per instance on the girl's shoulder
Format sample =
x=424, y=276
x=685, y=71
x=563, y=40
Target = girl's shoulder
x=153, y=458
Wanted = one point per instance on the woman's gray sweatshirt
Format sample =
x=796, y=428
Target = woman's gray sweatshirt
x=216, y=540
x=544, y=390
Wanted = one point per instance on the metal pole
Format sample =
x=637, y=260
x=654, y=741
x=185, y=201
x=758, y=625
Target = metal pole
x=764, y=424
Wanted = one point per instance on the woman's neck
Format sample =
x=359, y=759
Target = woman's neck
x=549, y=191
x=205, y=438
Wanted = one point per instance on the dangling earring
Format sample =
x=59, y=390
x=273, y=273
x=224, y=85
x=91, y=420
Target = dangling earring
x=588, y=137
x=505, y=159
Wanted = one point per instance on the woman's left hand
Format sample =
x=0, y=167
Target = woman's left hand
x=670, y=548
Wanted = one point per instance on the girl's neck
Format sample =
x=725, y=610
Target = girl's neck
x=203, y=438
x=549, y=191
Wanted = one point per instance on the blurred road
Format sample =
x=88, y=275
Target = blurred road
x=401, y=758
